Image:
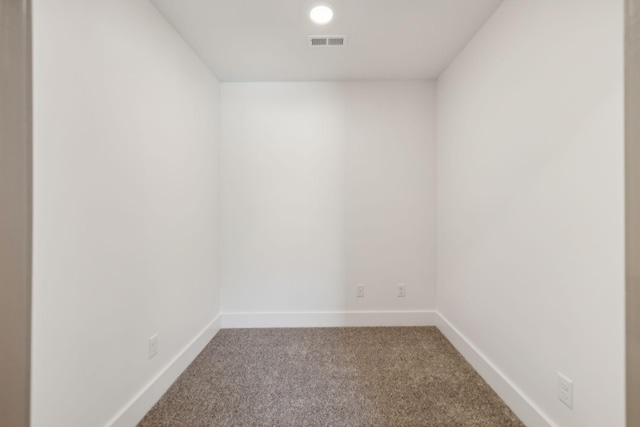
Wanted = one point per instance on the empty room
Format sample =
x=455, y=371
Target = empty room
x=320, y=213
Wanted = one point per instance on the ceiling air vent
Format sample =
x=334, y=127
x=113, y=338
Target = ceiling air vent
x=327, y=41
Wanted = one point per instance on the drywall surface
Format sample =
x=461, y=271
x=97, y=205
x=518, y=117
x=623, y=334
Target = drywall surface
x=530, y=202
x=325, y=186
x=125, y=204
x=632, y=214
x=15, y=211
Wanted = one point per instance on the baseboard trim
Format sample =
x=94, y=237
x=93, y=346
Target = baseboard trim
x=522, y=406
x=329, y=319
x=528, y=412
x=137, y=408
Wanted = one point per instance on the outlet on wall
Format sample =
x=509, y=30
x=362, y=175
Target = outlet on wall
x=565, y=390
x=153, y=346
x=402, y=290
x=360, y=291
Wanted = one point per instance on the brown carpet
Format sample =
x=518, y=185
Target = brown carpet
x=330, y=377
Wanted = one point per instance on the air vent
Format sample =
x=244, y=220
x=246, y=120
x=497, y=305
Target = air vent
x=318, y=42
x=327, y=41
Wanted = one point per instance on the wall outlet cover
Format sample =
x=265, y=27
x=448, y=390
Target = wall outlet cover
x=402, y=290
x=565, y=390
x=153, y=346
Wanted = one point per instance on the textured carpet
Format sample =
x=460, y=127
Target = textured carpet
x=330, y=377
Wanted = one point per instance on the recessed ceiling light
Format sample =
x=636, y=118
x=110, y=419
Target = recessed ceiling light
x=321, y=15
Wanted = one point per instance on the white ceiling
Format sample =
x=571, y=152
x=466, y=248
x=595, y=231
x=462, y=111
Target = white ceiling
x=266, y=40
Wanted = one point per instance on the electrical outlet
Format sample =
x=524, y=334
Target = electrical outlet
x=153, y=346
x=360, y=291
x=565, y=390
x=402, y=290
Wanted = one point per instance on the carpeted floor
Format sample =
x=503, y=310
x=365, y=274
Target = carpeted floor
x=330, y=377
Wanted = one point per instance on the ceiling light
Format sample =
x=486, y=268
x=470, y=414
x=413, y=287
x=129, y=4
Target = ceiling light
x=321, y=15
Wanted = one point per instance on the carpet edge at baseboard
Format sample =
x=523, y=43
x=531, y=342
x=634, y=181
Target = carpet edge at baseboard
x=528, y=412
x=329, y=319
x=138, y=407
x=522, y=406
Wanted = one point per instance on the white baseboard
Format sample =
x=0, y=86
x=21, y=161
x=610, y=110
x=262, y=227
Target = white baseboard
x=137, y=408
x=523, y=407
x=528, y=412
x=329, y=319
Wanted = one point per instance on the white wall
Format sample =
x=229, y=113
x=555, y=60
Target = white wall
x=530, y=202
x=326, y=185
x=126, y=204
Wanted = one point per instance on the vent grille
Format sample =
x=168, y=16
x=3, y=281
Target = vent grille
x=327, y=41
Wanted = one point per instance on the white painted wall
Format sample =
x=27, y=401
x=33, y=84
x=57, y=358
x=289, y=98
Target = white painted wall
x=326, y=185
x=126, y=204
x=530, y=202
